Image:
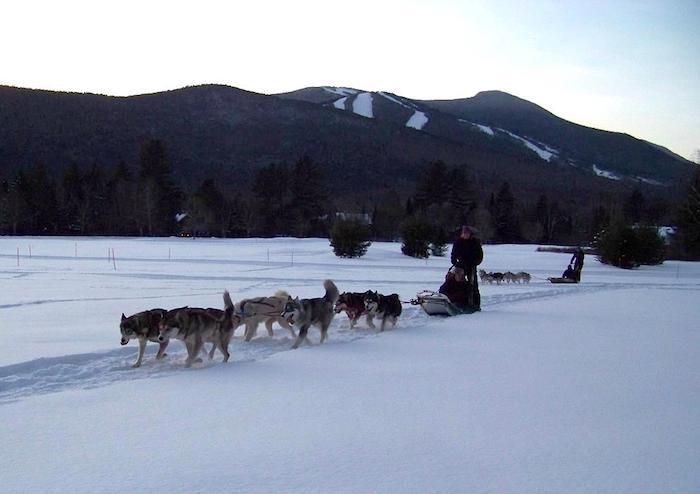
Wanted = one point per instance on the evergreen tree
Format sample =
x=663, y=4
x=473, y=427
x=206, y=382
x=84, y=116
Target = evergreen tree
x=350, y=238
x=505, y=218
x=461, y=197
x=416, y=232
x=630, y=246
x=689, y=218
x=309, y=197
x=271, y=192
x=121, y=217
x=634, y=207
x=159, y=197
x=433, y=185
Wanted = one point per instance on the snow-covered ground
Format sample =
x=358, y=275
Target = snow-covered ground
x=585, y=388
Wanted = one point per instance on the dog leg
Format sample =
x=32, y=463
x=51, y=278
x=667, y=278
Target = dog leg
x=283, y=322
x=370, y=321
x=251, y=327
x=223, y=345
x=381, y=328
x=193, y=352
x=161, y=350
x=196, y=348
x=142, y=349
x=268, y=325
x=303, y=331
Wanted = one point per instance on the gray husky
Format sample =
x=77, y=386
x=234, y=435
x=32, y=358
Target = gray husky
x=144, y=326
x=306, y=312
x=253, y=311
x=198, y=326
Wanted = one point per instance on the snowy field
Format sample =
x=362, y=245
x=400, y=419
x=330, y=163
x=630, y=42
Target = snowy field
x=551, y=388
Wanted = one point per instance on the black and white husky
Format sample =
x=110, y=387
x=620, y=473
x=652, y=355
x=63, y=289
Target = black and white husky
x=306, y=312
x=144, y=327
x=198, y=326
x=385, y=307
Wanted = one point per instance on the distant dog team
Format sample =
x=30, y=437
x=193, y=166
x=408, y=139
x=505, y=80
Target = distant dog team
x=508, y=277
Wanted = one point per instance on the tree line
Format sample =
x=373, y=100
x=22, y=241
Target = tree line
x=294, y=200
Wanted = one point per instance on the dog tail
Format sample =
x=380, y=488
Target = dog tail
x=332, y=292
x=228, y=308
x=281, y=294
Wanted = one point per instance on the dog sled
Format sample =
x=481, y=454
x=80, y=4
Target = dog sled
x=561, y=280
x=437, y=304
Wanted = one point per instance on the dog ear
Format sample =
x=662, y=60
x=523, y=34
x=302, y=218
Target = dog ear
x=123, y=316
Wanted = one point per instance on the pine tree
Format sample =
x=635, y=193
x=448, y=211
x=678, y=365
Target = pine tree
x=634, y=207
x=271, y=192
x=350, y=238
x=689, y=218
x=506, y=221
x=433, y=185
x=159, y=197
x=309, y=197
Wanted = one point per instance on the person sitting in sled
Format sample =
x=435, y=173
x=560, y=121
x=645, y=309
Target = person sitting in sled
x=569, y=274
x=457, y=288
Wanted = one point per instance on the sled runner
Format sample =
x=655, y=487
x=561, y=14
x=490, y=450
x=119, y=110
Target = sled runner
x=561, y=280
x=437, y=304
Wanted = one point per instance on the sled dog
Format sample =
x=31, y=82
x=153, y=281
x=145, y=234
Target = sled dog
x=523, y=277
x=144, y=327
x=306, y=312
x=253, y=311
x=386, y=307
x=196, y=326
x=485, y=277
x=353, y=304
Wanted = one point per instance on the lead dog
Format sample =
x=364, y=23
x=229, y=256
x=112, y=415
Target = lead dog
x=387, y=307
x=353, y=304
x=144, y=327
x=306, y=312
x=253, y=311
x=196, y=326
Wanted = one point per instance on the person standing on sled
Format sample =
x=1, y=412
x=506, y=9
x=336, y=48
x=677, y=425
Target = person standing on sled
x=577, y=263
x=467, y=255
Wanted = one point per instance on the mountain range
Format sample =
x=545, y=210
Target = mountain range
x=365, y=141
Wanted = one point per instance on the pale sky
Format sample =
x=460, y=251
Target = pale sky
x=625, y=66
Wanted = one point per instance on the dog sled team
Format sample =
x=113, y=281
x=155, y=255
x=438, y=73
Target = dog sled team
x=507, y=277
x=196, y=326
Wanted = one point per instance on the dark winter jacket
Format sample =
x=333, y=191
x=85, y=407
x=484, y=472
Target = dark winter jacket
x=467, y=253
x=577, y=260
x=458, y=293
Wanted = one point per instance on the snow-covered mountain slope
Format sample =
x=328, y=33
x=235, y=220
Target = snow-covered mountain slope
x=506, y=118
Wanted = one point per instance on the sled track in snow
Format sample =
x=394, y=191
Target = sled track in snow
x=93, y=370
